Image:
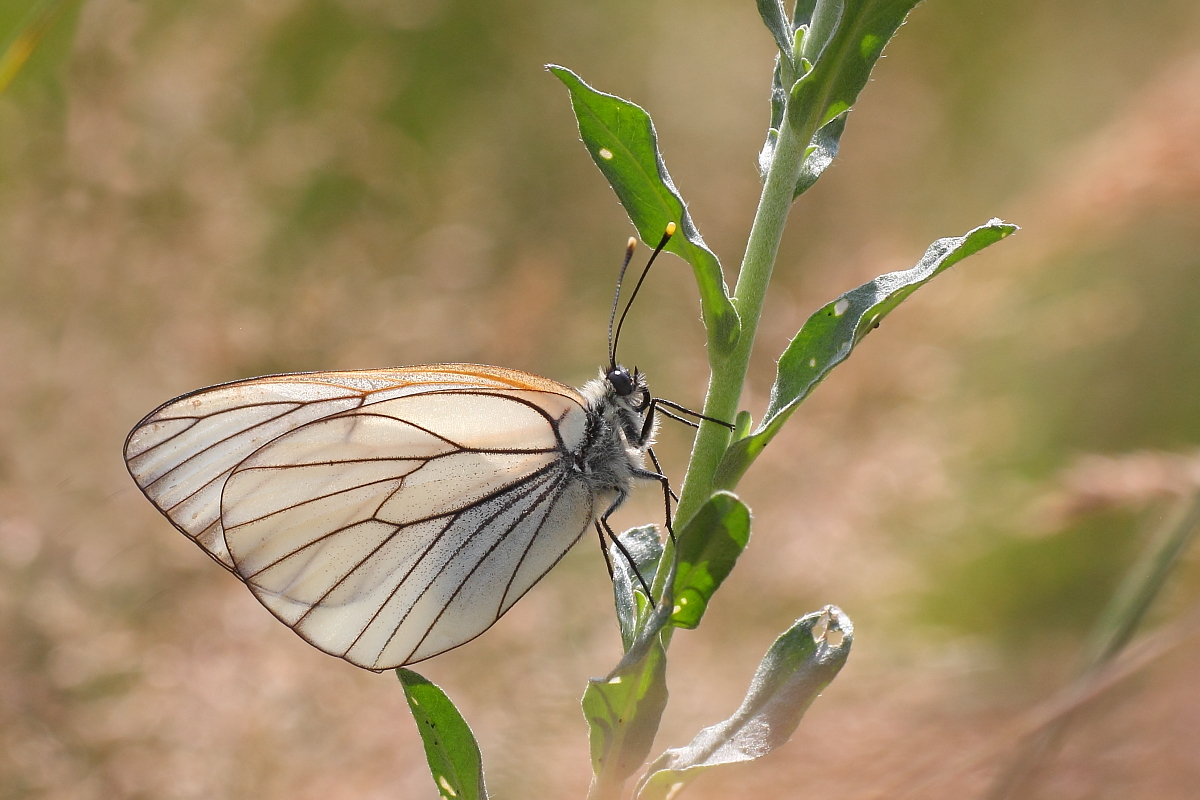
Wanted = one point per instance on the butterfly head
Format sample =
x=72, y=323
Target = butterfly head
x=629, y=390
x=622, y=398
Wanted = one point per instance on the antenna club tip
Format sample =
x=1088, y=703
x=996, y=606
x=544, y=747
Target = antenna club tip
x=631, y=244
x=670, y=229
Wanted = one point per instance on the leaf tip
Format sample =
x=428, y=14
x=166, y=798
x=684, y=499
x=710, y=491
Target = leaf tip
x=832, y=632
x=1005, y=228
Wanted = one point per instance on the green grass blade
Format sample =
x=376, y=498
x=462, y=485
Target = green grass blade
x=450, y=747
x=831, y=334
x=799, y=665
x=621, y=139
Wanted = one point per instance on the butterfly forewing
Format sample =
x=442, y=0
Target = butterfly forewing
x=385, y=516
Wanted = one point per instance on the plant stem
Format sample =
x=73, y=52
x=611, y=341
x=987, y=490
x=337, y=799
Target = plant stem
x=729, y=373
x=603, y=788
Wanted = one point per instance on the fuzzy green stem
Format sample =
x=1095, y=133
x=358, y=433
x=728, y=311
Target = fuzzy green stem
x=729, y=372
x=605, y=788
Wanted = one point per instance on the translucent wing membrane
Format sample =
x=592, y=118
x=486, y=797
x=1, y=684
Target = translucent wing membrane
x=385, y=516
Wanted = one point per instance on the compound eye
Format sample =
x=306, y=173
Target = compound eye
x=621, y=381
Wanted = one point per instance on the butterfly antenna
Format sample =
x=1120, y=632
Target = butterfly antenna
x=645, y=271
x=612, y=354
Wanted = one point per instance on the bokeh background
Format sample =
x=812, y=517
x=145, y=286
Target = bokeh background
x=194, y=192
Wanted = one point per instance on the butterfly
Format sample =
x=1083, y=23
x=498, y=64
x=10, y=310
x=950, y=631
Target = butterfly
x=387, y=516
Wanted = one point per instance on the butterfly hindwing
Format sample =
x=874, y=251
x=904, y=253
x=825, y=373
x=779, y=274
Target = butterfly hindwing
x=385, y=516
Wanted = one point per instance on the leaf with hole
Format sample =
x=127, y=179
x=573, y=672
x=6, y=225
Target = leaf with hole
x=797, y=667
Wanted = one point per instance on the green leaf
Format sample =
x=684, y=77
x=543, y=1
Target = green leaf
x=821, y=152
x=708, y=548
x=775, y=18
x=846, y=39
x=825, y=18
x=828, y=93
x=450, y=747
x=621, y=139
x=778, y=106
x=841, y=41
x=742, y=424
x=623, y=711
x=799, y=665
x=829, y=336
x=803, y=13
x=646, y=548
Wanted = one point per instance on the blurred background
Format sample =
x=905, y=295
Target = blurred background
x=195, y=192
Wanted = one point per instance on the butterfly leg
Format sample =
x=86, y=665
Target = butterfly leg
x=646, y=474
x=660, y=405
x=658, y=468
x=603, y=521
x=604, y=550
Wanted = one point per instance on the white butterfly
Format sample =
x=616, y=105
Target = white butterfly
x=390, y=515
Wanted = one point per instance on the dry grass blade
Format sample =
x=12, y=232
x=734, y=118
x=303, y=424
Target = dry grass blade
x=1047, y=716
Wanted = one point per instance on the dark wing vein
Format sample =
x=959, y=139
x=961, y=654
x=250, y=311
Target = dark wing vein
x=219, y=477
x=242, y=432
x=557, y=486
x=529, y=547
x=317, y=498
x=454, y=515
x=200, y=418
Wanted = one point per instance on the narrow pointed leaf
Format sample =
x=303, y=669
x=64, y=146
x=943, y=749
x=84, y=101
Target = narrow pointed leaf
x=799, y=665
x=778, y=106
x=829, y=336
x=621, y=139
x=821, y=152
x=775, y=18
x=838, y=43
x=708, y=548
x=632, y=603
x=450, y=747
